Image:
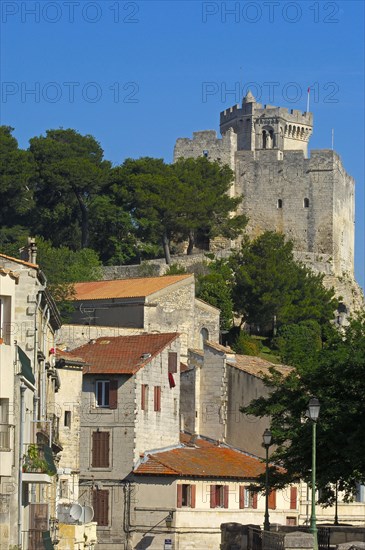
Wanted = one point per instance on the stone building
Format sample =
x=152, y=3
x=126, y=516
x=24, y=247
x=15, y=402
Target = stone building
x=309, y=198
x=28, y=385
x=131, y=403
x=141, y=305
x=201, y=484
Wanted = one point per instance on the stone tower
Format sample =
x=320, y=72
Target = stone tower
x=308, y=198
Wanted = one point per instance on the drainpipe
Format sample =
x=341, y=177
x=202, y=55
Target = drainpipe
x=21, y=444
x=35, y=358
x=45, y=319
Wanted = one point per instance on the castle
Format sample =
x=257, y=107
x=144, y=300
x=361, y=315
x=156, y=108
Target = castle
x=310, y=199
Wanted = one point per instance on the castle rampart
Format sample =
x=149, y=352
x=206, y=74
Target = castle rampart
x=308, y=198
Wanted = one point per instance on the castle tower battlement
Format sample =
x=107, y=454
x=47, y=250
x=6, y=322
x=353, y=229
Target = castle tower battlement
x=310, y=199
x=267, y=127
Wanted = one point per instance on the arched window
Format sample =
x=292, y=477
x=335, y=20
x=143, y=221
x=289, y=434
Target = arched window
x=280, y=203
x=264, y=136
x=204, y=336
x=306, y=203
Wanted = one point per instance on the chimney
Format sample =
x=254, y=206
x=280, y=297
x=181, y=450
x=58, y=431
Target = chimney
x=29, y=253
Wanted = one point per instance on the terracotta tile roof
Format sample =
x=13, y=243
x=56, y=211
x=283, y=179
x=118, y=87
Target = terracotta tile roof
x=257, y=366
x=125, y=288
x=12, y=274
x=184, y=367
x=122, y=354
x=208, y=461
x=18, y=261
x=68, y=356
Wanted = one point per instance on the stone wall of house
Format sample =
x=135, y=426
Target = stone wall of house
x=158, y=429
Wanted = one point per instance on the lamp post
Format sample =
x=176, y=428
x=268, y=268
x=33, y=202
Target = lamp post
x=267, y=437
x=313, y=413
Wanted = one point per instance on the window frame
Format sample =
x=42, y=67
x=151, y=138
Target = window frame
x=100, y=458
x=104, y=394
x=144, y=397
x=189, y=499
x=157, y=398
x=98, y=510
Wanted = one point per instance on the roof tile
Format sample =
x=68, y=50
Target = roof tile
x=204, y=459
x=125, y=288
x=122, y=354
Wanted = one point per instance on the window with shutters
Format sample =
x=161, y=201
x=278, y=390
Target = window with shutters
x=219, y=496
x=100, y=450
x=186, y=495
x=272, y=500
x=101, y=507
x=248, y=497
x=172, y=362
x=157, y=399
x=106, y=393
x=293, y=498
x=144, y=397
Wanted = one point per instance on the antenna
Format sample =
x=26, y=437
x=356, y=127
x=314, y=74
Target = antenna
x=76, y=511
x=87, y=514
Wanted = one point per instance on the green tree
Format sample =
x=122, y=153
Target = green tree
x=335, y=374
x=205, y=206
x=215, y=288
x=70, y=172
x=63, y=267
x=17, y=169
x=271, y=289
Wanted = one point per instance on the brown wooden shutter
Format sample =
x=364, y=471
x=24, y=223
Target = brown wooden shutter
x=179, y=496
x=100, y=450
x=143, y=397
x=172, y=362
x=225, y=496
x=254, y=500
x=101, y=507
x=113, y=394
x=192, y=496
x=213, y=499
x=272, y=499
x=293, y=498
x=157, y=399
x=242, y=496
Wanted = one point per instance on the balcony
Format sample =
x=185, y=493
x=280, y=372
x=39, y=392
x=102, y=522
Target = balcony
x=5, y=437
x=38, y=464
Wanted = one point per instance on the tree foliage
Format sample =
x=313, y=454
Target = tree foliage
x=335, y=374
x=271, y=289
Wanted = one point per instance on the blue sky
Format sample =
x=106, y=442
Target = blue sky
x=139, y=74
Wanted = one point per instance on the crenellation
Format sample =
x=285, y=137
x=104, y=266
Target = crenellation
x=309, y=198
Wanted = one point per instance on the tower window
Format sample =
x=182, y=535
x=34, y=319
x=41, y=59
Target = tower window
x=280, y=203
x=306, y=203
x=205, y=152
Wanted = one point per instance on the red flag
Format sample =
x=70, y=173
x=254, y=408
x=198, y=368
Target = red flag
x=171, y=380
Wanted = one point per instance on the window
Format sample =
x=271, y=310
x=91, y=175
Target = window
x=293, y=498
x=101, y=507
x=205, y=152
x=291, y=521
x=64, y=488
x=5, y=326
x=100, y=450
x=272, y=500
x=67, y=419
x=107, y=393
x=157, y=399
x=4, y=425
x=219, y=496
x=204, y=336
x=306, y=203
x=280, y=203
x=186, y=496
x=248, y=497
x=172, y=362
x=144, y=397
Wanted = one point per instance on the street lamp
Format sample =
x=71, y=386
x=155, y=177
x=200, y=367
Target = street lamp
x=267, y=437
x=313, y=413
